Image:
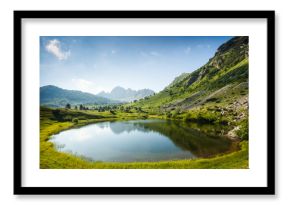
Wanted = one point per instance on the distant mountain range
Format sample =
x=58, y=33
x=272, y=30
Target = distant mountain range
x=126, y=95
x=222, y=83
x=53, y=96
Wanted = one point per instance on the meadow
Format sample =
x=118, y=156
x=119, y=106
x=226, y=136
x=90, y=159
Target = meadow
x=50, y=158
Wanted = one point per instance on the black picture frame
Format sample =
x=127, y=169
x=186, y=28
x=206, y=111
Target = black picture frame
x=268, y=190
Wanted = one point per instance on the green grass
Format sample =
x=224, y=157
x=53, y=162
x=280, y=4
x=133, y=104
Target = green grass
x=216, y=93
x=50, y=158
x=212, y=81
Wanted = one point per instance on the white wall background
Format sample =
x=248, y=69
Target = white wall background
x=282, y=99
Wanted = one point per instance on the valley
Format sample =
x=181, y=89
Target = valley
x=215, y=96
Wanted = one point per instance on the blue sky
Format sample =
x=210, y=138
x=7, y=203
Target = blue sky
x=100, y=63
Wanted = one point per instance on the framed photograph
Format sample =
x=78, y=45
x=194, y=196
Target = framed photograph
x=144, y=102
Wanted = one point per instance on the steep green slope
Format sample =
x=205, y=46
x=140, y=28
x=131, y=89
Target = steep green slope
x=178, y=79
x=221, y=82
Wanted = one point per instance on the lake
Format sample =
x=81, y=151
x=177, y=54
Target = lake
x=142, y=140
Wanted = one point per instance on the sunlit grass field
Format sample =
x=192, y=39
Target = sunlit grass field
x=50, y=158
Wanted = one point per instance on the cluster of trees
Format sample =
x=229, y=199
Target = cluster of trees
x=80, y=107
x=110, y=108
x=129, y=109
x=106, y=108
x=145, y=98
x=83, y=107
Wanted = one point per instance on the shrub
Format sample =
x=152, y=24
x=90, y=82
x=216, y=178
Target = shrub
x=75, y=120
x=187, y=117
x=168, y=115
x=67, y=118
x=203, y=116
x=206, y=117
x=145, y=116
x=174, y=115
x=57, y=115
x=243, y=132
x=213, y=100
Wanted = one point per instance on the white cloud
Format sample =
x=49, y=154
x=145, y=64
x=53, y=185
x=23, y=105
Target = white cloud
x=154, y=53
x=53, y=46
x=86, y=86
x=203, y=46
x=187, y=50
x=151, y=53
x=143, y=54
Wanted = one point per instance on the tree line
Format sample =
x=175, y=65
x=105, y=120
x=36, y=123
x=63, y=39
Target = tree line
x=103, y=108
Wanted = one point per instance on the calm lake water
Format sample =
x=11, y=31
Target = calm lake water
x=142, y=140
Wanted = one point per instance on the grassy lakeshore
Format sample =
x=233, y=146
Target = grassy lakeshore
x=50, y=158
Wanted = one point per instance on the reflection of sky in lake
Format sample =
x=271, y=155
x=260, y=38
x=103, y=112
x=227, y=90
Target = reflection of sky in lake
x=121, y=141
